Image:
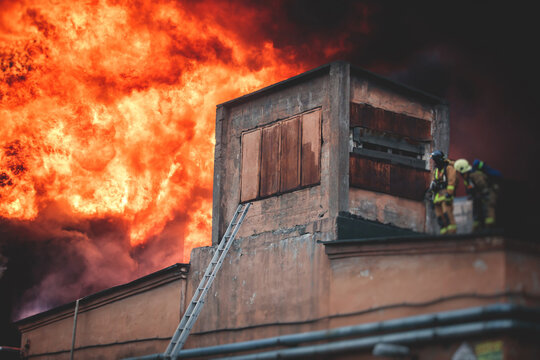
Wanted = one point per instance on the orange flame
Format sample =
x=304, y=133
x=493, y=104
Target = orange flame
x=108, y=109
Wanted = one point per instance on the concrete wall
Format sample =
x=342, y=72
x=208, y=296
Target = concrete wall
x=385, y=208
x=266, y=287
x=388, y=209
x=134, y=319
x=302, y=285
x=303, y=207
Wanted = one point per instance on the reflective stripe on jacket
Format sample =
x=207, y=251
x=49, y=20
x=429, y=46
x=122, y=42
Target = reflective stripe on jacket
x=445, y=178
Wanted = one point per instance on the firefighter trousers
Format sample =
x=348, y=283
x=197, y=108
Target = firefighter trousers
x=484, y=210
x=444, y=211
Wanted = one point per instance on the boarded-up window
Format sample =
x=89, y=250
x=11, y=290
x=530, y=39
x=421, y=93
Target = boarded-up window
x=251, y=165
x=367, y=116
x=270, y=160
x=408, y=182
x=290, y=154
x=369, y=174
x=388, y=178
x=311, y=148
x=388, y=152
x=282, y=157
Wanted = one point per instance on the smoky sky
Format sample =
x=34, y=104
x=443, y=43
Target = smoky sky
x=479, y=57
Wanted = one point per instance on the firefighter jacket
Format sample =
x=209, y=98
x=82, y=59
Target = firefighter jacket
x=477, y=183
x=444, y=180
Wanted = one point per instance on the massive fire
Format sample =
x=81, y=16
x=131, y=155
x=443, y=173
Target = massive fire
x=108, y=110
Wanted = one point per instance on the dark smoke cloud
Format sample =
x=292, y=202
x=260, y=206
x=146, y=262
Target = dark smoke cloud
x=480, y=57
x=58, y=258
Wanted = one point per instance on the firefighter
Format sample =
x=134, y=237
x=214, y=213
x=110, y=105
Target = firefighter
x=481, y=184
x=493, y=174
x=443, y=185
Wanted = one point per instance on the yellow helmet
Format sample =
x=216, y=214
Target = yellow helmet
x=462, y=166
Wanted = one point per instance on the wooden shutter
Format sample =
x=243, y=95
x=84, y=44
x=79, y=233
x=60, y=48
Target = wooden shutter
x=290, y=154
x=270, y=160
x=251, y=165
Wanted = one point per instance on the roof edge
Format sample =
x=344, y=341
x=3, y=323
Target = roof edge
x=181, y=267
x=325, y=69
x=321, y=70
x=398, y=85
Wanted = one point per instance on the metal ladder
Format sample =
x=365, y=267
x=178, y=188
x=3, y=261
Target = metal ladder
x=195, y=306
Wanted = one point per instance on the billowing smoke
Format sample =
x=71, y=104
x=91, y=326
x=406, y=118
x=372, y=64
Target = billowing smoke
x=107, y=115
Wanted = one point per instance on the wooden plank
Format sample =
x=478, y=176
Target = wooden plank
x=269, y=183
x=290, y=154
x=408, y=183
x=366, y=135
x=369, y=174
x=383, y=120
x=251, y=165
x=380, y=176
x=392, y=158
x=311, y=148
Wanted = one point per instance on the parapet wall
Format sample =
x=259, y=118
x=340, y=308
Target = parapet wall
x=131, y=319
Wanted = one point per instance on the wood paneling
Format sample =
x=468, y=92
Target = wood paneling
x=388, y=178
x=383, y=120
x=408, y=182
x=369, y=174
x=290, y=154
x=269, y=183
x=311, y=148
x=281, y=157
x=251, y=165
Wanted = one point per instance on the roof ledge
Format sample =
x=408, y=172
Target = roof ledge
x=421, y=244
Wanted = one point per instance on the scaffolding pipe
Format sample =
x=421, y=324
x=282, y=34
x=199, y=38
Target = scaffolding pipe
x=453, y=316
x=74, y=329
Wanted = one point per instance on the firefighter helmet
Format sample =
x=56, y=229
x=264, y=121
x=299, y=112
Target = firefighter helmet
x=438, y=157
x=462, y=166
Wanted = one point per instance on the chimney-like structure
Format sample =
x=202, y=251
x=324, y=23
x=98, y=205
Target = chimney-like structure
x=338, y=152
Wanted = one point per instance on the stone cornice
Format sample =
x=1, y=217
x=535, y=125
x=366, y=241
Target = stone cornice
x=427, y=244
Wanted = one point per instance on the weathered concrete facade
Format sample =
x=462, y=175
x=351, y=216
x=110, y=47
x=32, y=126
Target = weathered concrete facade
x=134, y=318
x=340, y=239
x=337, y=254
x=332, y=91
x=303, y=285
